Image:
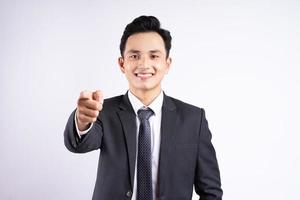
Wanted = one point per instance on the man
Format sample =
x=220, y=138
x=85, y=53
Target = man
x=152, y=146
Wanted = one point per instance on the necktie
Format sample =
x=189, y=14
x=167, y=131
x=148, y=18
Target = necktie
x=144, y=170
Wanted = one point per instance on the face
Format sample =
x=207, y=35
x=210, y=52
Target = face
x=144, y=62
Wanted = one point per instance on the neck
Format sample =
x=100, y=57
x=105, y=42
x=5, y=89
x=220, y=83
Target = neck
x=146, y=97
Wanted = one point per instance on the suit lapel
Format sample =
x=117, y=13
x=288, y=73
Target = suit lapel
x=169, y=122
x=128, y=121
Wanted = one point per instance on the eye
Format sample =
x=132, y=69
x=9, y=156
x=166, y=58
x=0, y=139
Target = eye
x=154, y=56
x=134, y=56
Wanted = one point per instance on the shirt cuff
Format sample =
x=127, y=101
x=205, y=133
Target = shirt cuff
x=80, y=133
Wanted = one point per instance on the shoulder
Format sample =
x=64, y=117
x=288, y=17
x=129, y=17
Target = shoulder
x=113, y=100
x=110, y=106
x=186, y=112
x=112, y=103
x=182, y=106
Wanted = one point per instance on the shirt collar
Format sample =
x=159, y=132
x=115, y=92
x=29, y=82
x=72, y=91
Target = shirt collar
x=137, y=104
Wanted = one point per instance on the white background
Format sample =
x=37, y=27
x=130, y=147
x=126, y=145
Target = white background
x=237, y=59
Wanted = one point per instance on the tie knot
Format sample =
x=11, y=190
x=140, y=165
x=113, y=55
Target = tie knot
x=145, y=114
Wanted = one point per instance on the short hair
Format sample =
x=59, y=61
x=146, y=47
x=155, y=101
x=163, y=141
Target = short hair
x=145, y=24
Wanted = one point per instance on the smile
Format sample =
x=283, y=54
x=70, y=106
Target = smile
x=144, y=75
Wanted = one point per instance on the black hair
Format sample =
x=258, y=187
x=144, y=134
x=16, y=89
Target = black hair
x=144, y=24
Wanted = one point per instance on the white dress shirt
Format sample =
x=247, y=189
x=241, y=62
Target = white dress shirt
x=155, y=122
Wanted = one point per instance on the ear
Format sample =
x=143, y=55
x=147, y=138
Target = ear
x=168, y=62
x=121, y=64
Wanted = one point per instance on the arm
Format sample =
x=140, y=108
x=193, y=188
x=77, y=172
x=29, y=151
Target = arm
x=83, y=132
x=88, y=142
x=207, y=178
x=88, y=107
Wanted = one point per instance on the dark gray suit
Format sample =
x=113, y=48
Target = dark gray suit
x=187, y=156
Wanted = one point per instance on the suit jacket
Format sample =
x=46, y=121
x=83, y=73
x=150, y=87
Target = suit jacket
x=187, y=156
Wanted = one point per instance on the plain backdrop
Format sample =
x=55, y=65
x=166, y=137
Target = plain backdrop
x=238, y=59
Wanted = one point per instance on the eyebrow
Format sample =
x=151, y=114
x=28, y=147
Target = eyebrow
x=133, y=51
x=137, y=51
x=155, y=51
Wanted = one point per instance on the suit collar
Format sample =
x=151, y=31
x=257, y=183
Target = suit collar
x=155, y=105
x=126, y=105
x=168, y=103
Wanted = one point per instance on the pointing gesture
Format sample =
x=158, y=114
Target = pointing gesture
x=88, y=107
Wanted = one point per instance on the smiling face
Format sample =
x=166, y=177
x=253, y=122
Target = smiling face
x=144, y=63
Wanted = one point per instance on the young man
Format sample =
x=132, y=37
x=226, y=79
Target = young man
x=153, y=147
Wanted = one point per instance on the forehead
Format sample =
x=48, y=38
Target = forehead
x=145, y=42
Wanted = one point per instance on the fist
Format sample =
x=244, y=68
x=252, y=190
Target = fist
x=89, y=105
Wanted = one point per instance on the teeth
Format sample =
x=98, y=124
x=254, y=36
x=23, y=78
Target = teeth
x=144, y=75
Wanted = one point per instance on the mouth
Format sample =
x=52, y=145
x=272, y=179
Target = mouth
x=144, y=75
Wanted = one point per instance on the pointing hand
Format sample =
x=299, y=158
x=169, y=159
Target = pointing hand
x=88, y=107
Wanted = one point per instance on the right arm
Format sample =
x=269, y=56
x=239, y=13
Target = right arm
x=88, y=107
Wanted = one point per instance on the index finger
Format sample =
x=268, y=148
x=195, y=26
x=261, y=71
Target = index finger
x=85, y=95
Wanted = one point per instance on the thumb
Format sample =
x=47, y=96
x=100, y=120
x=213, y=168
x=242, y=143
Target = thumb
x=98, y=96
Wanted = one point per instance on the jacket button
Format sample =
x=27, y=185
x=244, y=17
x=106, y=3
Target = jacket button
x=129, y=193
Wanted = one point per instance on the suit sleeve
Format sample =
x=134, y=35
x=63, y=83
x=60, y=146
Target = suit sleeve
x=207, y=178
x=88, y=142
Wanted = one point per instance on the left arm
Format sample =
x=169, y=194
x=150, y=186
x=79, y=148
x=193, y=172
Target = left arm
x=207, y=178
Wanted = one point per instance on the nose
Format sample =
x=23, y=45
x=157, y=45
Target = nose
x=144, y=63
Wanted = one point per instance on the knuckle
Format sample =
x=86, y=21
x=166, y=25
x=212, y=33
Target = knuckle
x=79, y=102
x=88, y=103
x=82, y=94
x=84, y=104
x=95, y=105
x=94, y=114
x=80, y=117
x=79, y=109
x=83, y=111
